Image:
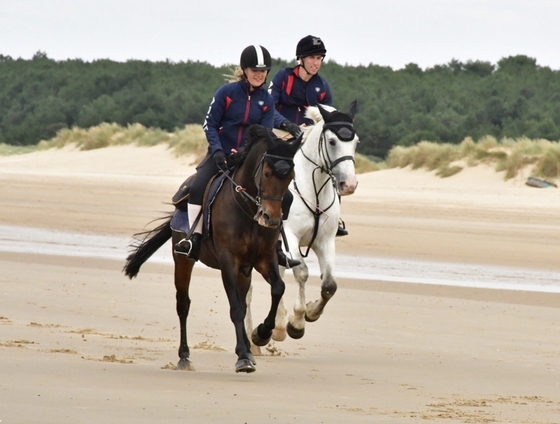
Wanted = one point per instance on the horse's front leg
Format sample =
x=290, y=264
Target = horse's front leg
x=182, y=276
x=296, y=322
x=326, y=255
x=262, y=334
x=237, y=287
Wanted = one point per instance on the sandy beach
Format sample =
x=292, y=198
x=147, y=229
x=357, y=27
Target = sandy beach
x=81, y=343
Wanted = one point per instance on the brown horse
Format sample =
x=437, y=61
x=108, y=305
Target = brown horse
x=246, y=216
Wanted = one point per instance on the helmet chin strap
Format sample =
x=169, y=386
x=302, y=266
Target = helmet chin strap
x=301, y=63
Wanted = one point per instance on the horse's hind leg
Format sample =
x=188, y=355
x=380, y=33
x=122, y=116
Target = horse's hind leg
x=326, y=255
x=255, y=350
x=183, y=272
x=279, y=332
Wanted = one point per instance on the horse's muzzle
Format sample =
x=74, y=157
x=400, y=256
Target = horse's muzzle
x=265, y=220
x=348, y=186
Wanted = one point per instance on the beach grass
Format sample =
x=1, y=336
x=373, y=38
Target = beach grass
x=510, y=156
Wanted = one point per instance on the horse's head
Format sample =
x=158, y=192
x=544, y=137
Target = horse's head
x=272, y=175
x=337, y=144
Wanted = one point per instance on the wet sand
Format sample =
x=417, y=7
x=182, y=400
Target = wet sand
x=79, y=342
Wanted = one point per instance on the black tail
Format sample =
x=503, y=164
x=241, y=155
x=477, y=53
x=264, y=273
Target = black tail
x=145, y=245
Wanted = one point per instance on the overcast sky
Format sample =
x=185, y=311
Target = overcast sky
x=383, y=32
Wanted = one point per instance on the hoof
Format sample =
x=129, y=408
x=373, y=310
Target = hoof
x=295, y=333
x=258, y=340
x=310, y=319
x=185, y=365
x=244, y=365
x=279, y=335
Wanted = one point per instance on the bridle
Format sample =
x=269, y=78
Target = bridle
x=258, y=176
x=345, y=133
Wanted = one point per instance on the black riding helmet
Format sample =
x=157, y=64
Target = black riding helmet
x=255, y=57
x=310, y=46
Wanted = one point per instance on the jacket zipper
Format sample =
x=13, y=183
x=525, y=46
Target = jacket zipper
x=245, y=119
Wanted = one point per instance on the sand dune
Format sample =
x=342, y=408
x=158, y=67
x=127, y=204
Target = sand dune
x=81, y=343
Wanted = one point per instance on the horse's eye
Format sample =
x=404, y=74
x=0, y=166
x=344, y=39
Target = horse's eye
x=332, y=141
x=267, y=174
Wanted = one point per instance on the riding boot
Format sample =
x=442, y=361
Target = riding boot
x=190, y=247
x=283, y=260
x=341, y=231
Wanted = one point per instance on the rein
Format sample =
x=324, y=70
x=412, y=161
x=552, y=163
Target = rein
x=236, y=188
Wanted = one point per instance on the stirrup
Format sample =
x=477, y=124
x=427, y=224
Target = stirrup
x=341, y=231
x=189, y=247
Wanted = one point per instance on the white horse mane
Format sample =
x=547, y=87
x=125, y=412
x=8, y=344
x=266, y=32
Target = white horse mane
x=314, y=114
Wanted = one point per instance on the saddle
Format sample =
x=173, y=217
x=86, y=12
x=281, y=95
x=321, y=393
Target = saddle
x=181, y=197
x=180, y=220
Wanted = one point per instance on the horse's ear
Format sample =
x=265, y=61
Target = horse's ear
x=353, y=109
x=294, y=145
x=270, y=140
x=324, y=113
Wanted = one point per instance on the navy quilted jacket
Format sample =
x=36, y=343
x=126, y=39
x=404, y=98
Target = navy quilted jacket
x=232, y=111
x=292, y=95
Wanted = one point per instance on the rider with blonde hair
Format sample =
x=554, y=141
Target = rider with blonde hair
x=235, y=107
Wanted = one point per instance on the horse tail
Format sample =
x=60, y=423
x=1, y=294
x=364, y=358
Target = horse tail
x=145, y=245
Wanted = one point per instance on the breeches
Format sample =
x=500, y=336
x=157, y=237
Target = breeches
x=204, y=172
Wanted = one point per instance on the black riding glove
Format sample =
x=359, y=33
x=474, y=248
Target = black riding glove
x=220, y=160
x=292, y=128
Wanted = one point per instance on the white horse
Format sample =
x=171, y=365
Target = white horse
x=324, y=168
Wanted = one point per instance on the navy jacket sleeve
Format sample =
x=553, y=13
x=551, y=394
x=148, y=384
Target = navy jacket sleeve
x=213, y=120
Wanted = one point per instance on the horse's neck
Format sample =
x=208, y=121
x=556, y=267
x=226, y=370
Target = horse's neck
x=244, y=174
x=310, y=166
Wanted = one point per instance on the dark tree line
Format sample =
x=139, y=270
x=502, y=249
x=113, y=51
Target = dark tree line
x=446, y=103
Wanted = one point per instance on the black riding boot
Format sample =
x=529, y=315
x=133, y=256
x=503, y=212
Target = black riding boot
x=342, y=231
x=190, y=247
x=283, y=260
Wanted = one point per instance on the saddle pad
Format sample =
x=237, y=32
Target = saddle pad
x=180, y=221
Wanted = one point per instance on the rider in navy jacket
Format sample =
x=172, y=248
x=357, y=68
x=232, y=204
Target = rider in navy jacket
x=292, y=95
x=233, y=108
x=294, y=89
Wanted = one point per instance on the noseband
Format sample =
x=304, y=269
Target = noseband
x=345, y=132
x=280, y=171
